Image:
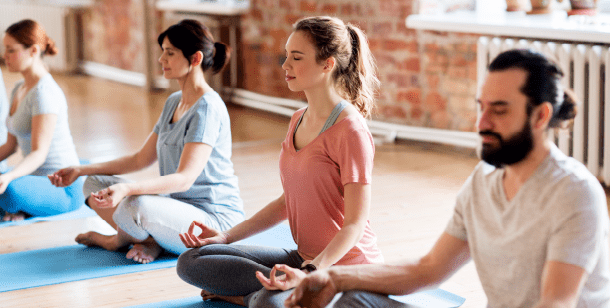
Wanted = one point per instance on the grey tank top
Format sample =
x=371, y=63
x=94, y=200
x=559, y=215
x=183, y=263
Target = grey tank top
x=332, y=118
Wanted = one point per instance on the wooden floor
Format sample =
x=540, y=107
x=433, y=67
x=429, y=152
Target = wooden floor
x=414, y=188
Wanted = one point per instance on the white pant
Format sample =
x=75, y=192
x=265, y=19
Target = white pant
x=158, y=216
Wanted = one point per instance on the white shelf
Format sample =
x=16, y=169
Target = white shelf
x=74, y=4
x=557, y=26
x=200, y=7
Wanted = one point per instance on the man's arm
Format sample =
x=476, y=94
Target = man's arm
x=561, y=285
x=446, y=257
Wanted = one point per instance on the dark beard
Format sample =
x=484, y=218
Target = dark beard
x=508, y=152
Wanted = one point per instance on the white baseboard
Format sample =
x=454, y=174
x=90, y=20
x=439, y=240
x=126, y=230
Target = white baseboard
x=385, y=130
x=113, y=73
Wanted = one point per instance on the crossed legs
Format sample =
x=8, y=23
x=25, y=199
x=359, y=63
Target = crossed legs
x=228, y=272
x=151, y=223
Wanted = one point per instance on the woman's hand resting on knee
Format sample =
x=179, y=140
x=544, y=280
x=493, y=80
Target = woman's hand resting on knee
x=289, y=280
x=206, y=237
x=109, y=197
x=64, y=177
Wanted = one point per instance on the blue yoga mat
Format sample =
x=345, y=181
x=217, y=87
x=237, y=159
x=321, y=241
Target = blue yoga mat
x=43, y=267
x=437, y=298
x=431, y=298
x=278, y=236
x=82, y=212
x=189, y=302
x=35, y=268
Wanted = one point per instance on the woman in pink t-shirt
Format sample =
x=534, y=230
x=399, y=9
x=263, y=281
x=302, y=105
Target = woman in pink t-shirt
x=326, y=164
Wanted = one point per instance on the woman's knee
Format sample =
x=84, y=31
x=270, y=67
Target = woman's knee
x=193, y=269
x=185, y=266
x=131, y=215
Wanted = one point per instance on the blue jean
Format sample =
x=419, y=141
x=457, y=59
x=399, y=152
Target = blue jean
x=36, y=196
x=229, y=270
x=161, y=217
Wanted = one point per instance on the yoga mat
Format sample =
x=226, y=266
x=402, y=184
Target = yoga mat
x=437, y=298
x=82, y=212
x=35, y=268
x=278, y=236
x=431, y=298
x=189, y=302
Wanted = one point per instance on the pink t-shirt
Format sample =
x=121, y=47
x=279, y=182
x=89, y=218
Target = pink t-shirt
x=313, y=180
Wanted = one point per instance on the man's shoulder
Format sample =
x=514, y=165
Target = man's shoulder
x=482, y=174
x=569, y=185
x=567, y=171
x=480, y=180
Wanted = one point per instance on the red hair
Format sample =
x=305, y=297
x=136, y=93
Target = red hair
x=28, y=32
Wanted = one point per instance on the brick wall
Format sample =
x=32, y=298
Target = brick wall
x=428, y=80
x=113, y=33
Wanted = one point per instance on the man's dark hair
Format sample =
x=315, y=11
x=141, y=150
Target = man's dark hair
x=543, y=83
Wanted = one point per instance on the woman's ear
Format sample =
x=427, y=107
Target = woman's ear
x=329, y=64
x=35, y=50
x=197, y=58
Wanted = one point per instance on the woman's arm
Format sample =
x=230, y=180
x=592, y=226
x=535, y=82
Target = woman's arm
x=272, y=214
x=357, y=200
x=141, y=159
x=43, y=126
x=193, y=159
x=9, y=147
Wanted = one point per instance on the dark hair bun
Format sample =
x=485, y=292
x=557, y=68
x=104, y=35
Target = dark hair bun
x=568, y=109
x=564, y=116
x=222, y=55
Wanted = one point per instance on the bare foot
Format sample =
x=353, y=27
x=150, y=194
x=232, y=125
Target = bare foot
x=237, y=300
x=13, y=216
x=92, y=238
x=144, y=252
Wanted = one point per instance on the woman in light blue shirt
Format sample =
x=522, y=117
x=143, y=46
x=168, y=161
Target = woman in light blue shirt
x=38, y=125
x=191, y=141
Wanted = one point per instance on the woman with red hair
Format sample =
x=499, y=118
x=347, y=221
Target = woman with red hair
x=38, y=125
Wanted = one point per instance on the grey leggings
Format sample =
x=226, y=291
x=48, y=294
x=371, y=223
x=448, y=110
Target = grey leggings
x=363, y=299
x=229, y=270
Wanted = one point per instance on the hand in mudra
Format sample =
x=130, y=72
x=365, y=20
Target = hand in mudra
x=206, y=237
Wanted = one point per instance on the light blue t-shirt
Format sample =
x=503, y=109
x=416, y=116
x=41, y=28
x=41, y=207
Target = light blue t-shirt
x=44, y=98
x=3, y=115
x=207, y=121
